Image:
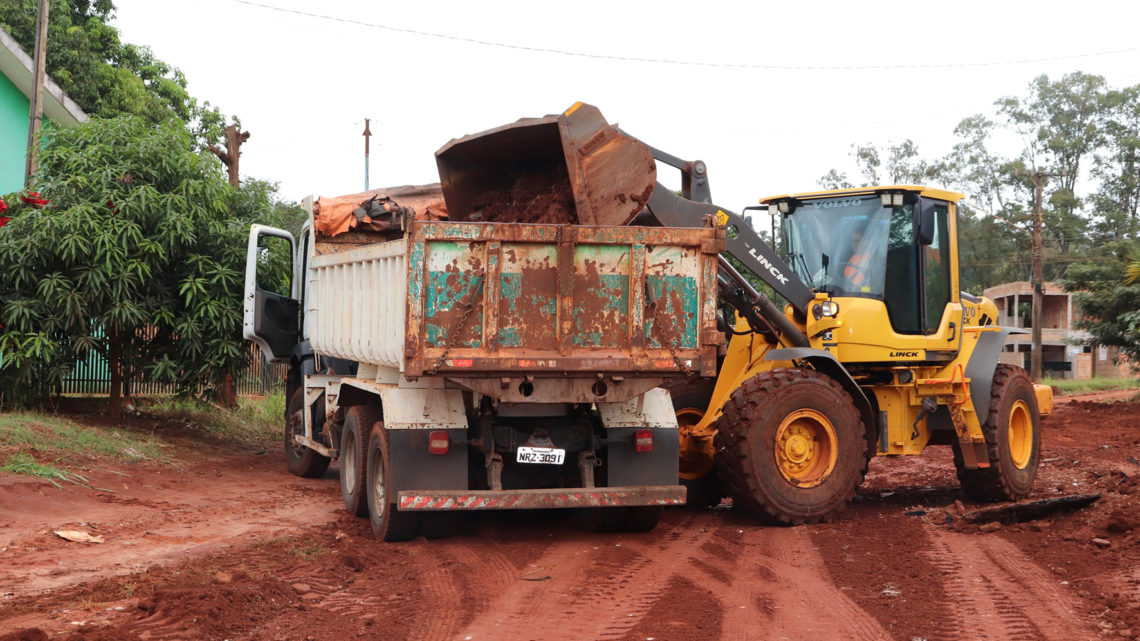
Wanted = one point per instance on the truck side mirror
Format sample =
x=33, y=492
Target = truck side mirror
x=925, y=223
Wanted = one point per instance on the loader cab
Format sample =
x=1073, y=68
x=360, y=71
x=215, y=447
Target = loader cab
x=881, y=247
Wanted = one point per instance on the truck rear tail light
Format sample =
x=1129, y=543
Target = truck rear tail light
x=643, y=440
x=439, y=442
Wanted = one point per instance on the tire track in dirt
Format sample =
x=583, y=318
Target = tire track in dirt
x=996, y=593
x=452, y=567
x=777, y=583
x=442, y=591
x=600, y=586
x=1128, y=582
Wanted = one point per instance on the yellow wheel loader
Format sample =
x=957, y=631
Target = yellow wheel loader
x=876, y=352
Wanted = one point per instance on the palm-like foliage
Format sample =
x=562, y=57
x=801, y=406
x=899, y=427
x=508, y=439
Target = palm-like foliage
x=139, y=234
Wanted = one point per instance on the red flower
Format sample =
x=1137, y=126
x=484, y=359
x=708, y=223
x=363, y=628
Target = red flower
x=4, y=220
x=33, y=199
x=3, y=206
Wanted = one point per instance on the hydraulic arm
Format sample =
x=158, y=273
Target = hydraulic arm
x=744, y=244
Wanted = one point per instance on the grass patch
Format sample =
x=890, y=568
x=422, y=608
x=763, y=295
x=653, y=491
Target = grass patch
x=23, y=464
x=25, y=430
x=256, y=422
x=1069, y=387
x=310, y=551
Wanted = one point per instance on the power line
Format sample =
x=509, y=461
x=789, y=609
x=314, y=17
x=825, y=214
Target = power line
x=689, y=63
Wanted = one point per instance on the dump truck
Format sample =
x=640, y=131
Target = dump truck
x=451, y=358
x=872, y=351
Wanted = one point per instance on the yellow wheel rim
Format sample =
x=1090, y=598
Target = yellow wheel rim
x=1020, y=434
x=689, y=416
x=697, y=456
x=806, y=448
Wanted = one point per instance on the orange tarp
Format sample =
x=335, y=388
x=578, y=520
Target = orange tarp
x=337, y=215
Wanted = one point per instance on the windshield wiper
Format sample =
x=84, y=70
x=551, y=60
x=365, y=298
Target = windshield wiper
x=797, y=259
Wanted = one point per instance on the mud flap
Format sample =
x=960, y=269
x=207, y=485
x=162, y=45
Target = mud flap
x=980, y=369
x=980, y=372
x=415, y=468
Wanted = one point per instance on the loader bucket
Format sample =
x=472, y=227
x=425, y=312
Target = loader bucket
x=569, y=168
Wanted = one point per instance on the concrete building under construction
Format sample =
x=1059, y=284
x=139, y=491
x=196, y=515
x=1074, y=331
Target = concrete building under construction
x=1066, y=352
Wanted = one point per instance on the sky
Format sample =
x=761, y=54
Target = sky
x=771, y=95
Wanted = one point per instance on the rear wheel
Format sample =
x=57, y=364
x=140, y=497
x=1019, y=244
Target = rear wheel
x=387, y=523
x=302, y=461
x=353, y=457
x=790, y=446
x=1012, y=441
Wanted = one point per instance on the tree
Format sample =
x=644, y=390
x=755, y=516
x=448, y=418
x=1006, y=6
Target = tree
x=1061, y=124
x=1117, y=168
x=903, y=166
x=234, y=138
x=1108, y=299
x=136, y=257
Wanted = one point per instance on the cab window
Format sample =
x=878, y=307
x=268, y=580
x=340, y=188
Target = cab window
x=902, y=291
x=936, y=268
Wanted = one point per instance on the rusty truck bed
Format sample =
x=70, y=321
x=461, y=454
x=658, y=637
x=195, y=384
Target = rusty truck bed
x=501, y=300
x=552, y=299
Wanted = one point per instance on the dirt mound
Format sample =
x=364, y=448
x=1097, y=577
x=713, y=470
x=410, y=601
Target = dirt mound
x=542, y=196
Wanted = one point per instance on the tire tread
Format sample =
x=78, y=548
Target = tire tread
x=735, y=467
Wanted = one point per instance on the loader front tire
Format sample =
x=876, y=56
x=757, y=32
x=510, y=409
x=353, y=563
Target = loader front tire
x=354, y=438
x=302, y=461
x=1013, y=441
x=790, y=446
x=388, y=523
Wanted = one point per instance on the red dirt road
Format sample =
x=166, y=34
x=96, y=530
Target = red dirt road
x=232, y=547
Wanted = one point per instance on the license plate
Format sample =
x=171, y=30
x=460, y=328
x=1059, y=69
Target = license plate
x=547, y=455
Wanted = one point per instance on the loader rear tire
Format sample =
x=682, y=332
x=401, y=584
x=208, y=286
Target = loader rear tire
x=1013, y=441
x=354, y=457
x=302, y=461
x=790, y=446
x=388, y=523
x=698, y=475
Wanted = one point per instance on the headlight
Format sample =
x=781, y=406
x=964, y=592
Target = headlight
x=826, y=308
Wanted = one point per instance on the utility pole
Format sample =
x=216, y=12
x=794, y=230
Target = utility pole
x=1038, y=287
x=367, y=135
x=36, y=116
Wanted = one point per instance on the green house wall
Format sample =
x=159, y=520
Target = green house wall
x=14, y=108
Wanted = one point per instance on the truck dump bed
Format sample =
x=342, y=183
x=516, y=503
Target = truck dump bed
x=464, y=299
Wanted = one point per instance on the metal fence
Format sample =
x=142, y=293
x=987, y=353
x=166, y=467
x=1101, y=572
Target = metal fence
x=93, y=376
